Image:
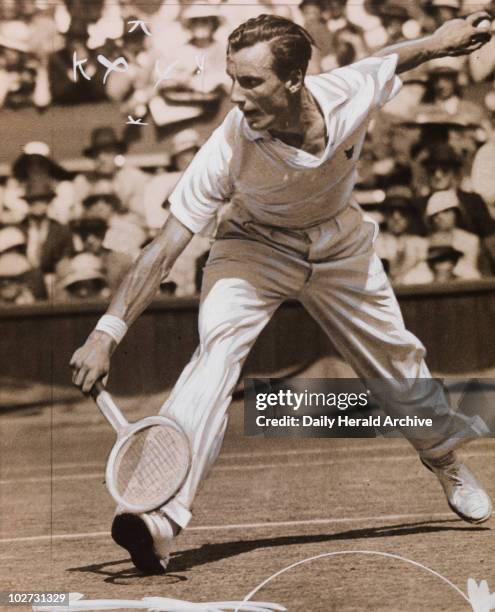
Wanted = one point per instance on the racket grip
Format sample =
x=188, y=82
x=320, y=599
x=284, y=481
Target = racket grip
x=108, y=407
x=97, y=389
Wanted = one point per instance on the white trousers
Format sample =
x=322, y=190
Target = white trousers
x=333, y=270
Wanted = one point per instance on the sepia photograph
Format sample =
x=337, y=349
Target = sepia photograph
x=247, y=292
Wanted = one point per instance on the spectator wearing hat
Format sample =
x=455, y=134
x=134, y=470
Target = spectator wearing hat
x=89, y=236
x=134, y=86
x=127, y=182
x=207, y=81
x=35, y=163
x=64, y=89
x=13, y=240
x=440, y=267
x=23, y=76
x=185, y=145
x=14, y=285
x=125, y=232
x=397, y=243
x=47, y=241
x=81, y=277
x=313, y=20
x=442, y=212
x=443, y=172
x=347, y=38
x=444, y=93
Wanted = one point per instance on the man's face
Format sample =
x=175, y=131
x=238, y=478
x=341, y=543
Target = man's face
x=336, y=9
x=441, y=177
x=311, y=12
x=256, y=89
x=105, y=161
x=93, y=244
x=444, y=86
x=38, y=209
x=203, y=29
x=100, y=209
x=443, y=271
x=10, y=289
x=397, y=222
x=445, y=220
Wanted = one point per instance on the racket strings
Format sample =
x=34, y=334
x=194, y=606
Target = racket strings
x=151, y=466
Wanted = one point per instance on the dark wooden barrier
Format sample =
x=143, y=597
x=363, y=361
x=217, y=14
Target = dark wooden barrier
x=456, y=323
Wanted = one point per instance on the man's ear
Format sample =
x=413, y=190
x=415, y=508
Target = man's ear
x=295, y=81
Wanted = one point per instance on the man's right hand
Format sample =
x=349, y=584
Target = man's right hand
x=92, y=360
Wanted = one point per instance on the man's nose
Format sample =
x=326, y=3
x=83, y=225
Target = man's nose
x=237, y=95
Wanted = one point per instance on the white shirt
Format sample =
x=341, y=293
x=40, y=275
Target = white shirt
x=277, y=184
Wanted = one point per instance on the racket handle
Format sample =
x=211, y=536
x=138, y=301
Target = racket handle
x=108, y=407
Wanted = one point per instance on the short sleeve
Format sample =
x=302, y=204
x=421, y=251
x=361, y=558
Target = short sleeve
x=377, y=74
x=205, y=184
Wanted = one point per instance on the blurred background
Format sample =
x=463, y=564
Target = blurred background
x=104, y=103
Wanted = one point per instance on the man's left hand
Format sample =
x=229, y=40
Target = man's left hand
x=462, y=36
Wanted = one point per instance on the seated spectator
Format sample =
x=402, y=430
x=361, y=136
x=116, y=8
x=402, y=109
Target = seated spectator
x=89, y=235
x=23, y=77
x=64, y=89
x=13, y=240
x=81, y=278
x=127, y=182
x=314, y=22
x=47, y=241
x=134, y=84
x=197, y=77
x=35, y=163
x=398, y=244
x=442, y=212
x=124, y=233
x=439, y=267
x=14, y=284
x=393, y=17
x=444, y=93
x=339, y=24
x=185, y=145
x=443, y=169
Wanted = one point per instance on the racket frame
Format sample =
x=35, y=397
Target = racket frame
x=125, y=431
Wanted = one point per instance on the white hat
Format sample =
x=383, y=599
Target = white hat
x=454, y=4
x=441, y=200
x=182, y=141
x=11, y=237
x=36, y=147
x=13, y=264
x=15, y=35
x=82, y=267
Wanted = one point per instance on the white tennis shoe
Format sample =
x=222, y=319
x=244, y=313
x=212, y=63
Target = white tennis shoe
x=465, y=495
x=148, y=538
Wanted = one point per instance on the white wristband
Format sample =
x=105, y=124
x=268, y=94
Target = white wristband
x=113, y=326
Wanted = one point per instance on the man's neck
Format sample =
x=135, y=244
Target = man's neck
x=304, y=124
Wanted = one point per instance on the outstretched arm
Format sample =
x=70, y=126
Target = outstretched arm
x=454, y=37
x=92, y=361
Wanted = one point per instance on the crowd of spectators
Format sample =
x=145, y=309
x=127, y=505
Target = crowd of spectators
x=426, y=175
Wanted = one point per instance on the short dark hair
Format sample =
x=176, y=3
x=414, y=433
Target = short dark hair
x=290, y=44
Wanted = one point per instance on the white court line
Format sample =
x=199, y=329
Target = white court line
x=243, y=455
x=240, y=526
x=230, y=468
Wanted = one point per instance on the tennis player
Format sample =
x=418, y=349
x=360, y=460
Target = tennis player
x=285, y=159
